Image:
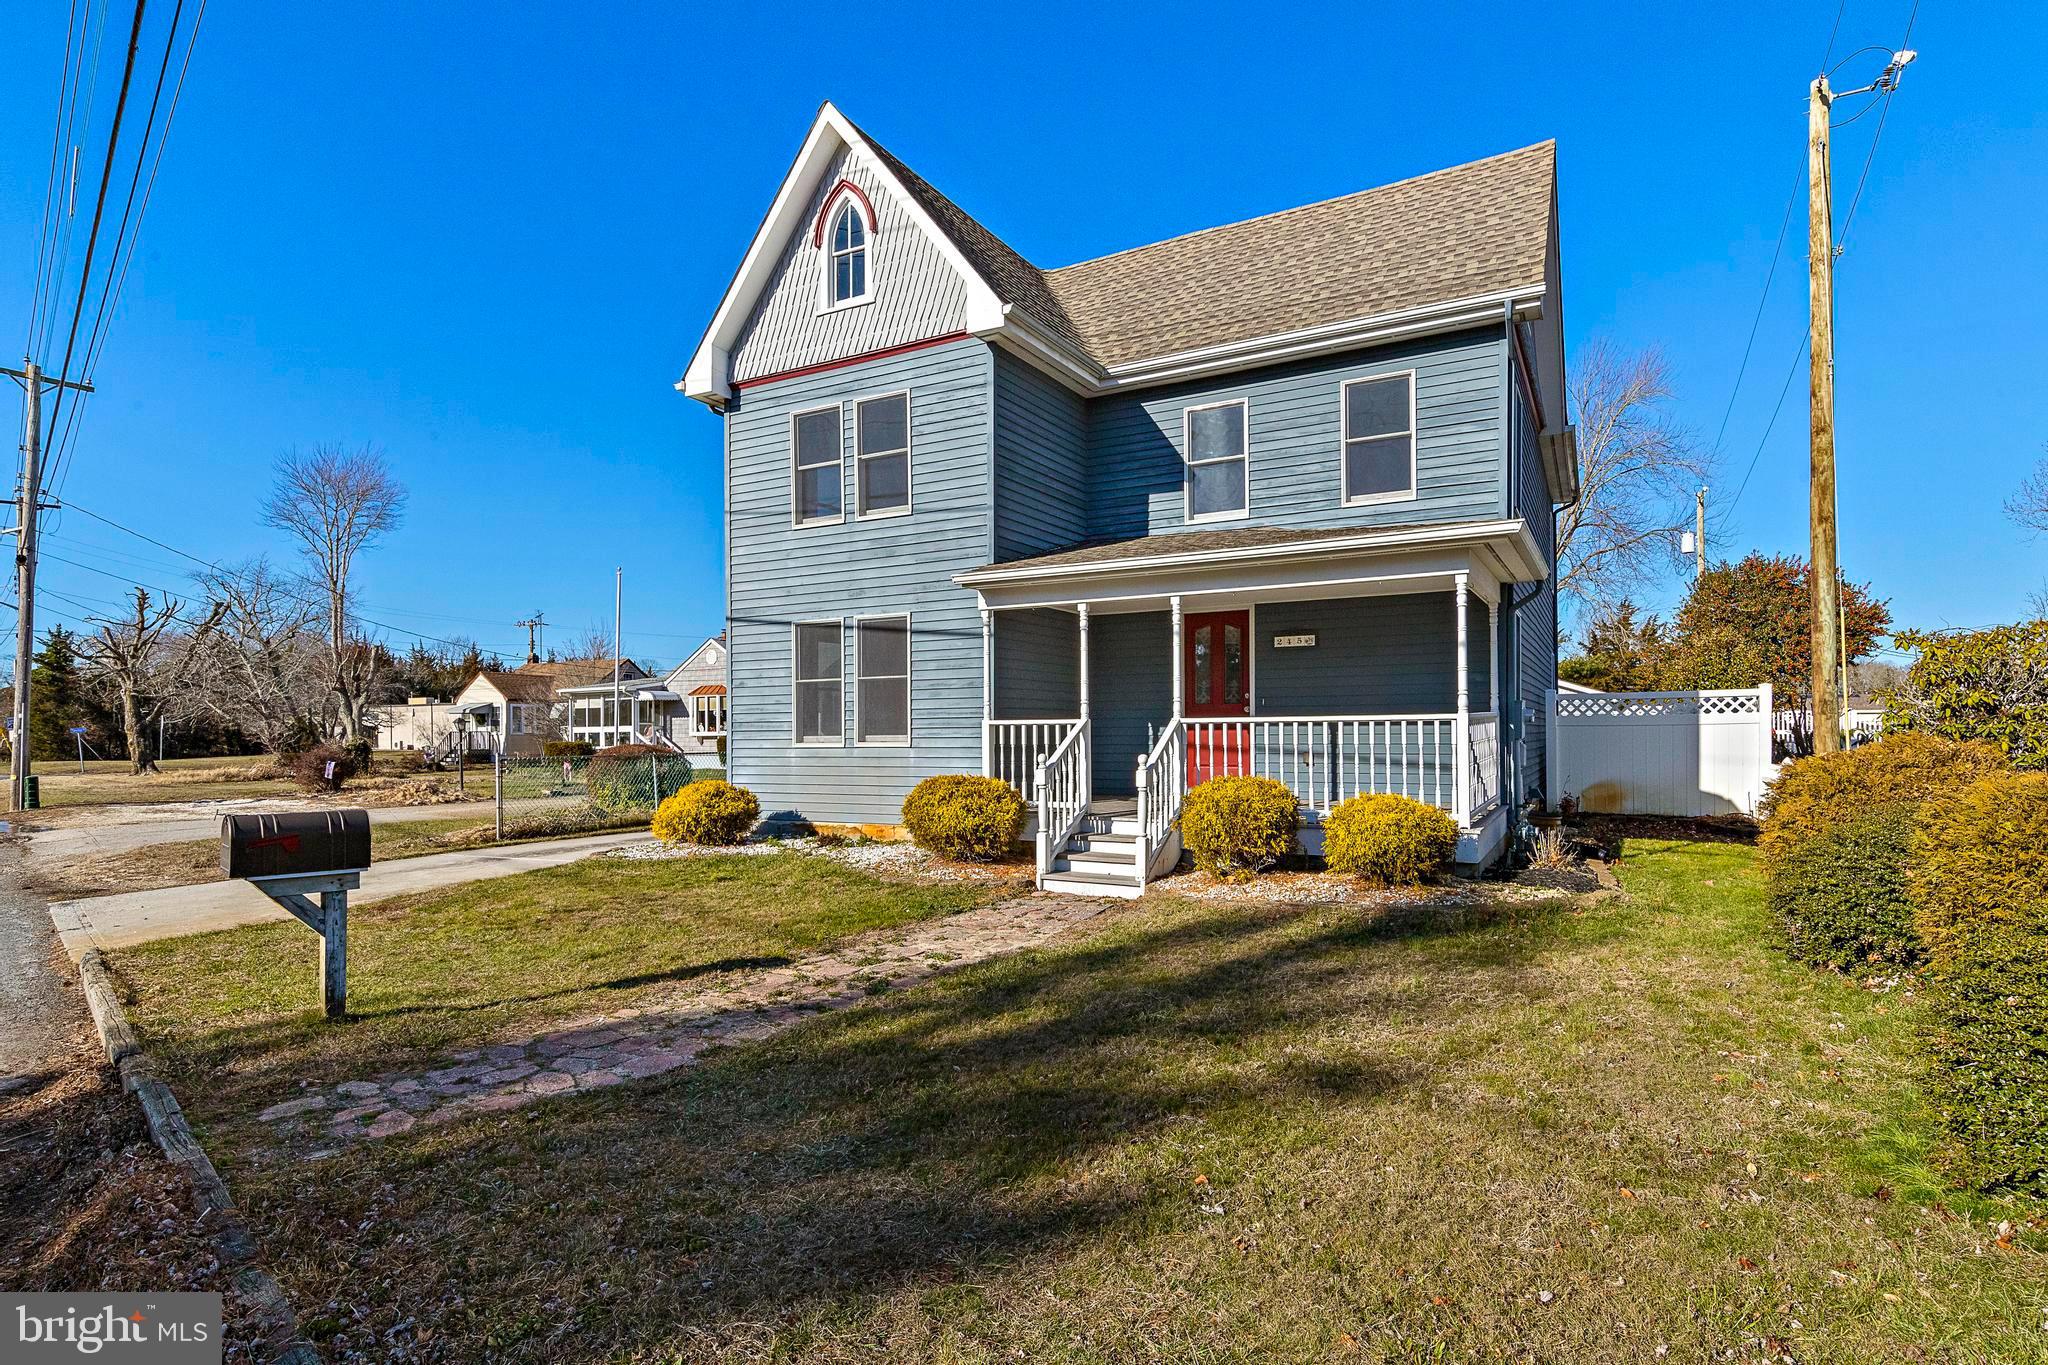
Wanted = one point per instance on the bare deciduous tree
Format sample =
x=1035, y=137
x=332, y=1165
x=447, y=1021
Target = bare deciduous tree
x=1638, y=472
x=337, y=502
x=592, y=644
x=146, y=662
x=2028, y=504
x=265, y=668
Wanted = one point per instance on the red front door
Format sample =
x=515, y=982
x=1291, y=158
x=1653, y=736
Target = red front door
x=1216, y=682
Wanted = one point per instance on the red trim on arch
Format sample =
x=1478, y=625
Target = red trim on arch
x=818, y=229
x=851, y=360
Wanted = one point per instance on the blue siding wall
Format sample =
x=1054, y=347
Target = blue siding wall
x=1535, y=624
x=1038, y=672
x=1042, y=487
x=1130, y=664
x=1372, y=654
x=1295, y=438
x=780, y=574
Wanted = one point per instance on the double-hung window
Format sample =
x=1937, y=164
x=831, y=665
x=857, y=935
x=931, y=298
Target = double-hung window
x=816, y=491
x=846, y=268
x=1379, y=439
x=881, y=429
x=820, y=669
x=1217, y=464
x=881, y=665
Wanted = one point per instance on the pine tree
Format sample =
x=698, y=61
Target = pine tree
x=55, y=696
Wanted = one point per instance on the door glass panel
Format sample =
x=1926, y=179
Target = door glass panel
x=1233, y=665
x=1203, y=663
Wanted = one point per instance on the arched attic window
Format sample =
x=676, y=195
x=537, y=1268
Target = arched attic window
x=847, y=232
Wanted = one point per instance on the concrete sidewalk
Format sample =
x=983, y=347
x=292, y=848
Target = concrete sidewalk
x=145, y=828
x=139, y=916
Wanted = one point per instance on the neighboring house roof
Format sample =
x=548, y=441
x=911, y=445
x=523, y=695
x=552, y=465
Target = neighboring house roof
x=538, y=681
x=708, y=690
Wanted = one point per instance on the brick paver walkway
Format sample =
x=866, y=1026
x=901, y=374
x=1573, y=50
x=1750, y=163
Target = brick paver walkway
x=663, y=1034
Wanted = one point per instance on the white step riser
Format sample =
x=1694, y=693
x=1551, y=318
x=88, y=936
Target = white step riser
x=1116, y=891
x=1107, y=867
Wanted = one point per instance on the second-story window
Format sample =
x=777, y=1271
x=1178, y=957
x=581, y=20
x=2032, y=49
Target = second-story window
x=1379, y=439
x=882, y=454
x=815, y=494
x=1217, y=473
x=847, y=266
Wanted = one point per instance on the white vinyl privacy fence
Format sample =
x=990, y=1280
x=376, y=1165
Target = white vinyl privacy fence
x=1662, y=753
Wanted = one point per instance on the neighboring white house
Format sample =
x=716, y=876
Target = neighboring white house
x=417, y=723
x=518, y=710
x=683, y=710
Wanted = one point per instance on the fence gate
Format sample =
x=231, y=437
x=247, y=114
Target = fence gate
x=1662, y=753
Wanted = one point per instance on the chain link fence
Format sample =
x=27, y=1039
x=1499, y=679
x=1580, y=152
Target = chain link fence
x=539, y=796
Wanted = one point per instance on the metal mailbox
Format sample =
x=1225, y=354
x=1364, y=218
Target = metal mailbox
x=296, y=844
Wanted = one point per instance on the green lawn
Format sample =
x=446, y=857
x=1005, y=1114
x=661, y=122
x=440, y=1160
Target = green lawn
x=1570, y=1132
x=234, y=1017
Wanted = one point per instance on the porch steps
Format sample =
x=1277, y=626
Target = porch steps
x=1101, y=860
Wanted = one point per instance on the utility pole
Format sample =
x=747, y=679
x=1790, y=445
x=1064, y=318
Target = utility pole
x=533, y=624
x=1824, y=575
x=618, y=609
x=1699, y=538
x=27, y=503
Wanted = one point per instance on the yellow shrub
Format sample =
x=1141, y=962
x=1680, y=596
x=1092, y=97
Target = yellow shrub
x=1390, y=840
x=958, y=816
x=706, y=813
x=1235, y=826
x=1980, y=890
x=1817, y=794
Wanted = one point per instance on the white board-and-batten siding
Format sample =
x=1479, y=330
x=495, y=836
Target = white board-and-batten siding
x=915, y=294
x=781, y=574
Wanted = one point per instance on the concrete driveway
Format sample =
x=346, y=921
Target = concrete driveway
x=140, y=916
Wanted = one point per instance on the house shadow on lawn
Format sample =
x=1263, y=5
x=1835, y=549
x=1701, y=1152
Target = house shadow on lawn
x=1016, y=1109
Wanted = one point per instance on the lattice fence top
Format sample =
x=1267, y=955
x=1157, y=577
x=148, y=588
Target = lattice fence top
x=1644, y=704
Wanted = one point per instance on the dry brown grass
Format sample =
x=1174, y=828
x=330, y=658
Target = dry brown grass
x=1209, y=1132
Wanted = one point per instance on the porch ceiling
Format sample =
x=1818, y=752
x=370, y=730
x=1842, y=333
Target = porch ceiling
x=1263, y=564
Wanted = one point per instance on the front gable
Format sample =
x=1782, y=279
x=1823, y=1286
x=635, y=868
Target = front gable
x=773, y=319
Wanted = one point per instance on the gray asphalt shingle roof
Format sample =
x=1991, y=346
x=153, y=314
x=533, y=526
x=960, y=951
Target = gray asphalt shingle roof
x=1480, y=228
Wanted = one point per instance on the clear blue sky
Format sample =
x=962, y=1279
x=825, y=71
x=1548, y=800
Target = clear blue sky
x=487, y=240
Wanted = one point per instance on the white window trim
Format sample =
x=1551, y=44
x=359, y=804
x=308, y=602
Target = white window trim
x=909, y=725
x=1344, y=441
x=796, y=516
x=909, y=479
x=1187, y=485
x=828, y=258
x=837, y=741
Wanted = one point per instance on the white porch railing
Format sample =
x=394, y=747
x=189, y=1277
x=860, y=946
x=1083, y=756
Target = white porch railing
x=1327, y=759
x=1011, y=749
x=1062, y=787
x=1162, y=782
x=1485, y=730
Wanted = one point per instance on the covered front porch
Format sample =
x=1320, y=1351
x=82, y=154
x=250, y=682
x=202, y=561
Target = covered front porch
x=1333, y=669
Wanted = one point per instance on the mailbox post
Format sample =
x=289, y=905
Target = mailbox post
x=294, y=858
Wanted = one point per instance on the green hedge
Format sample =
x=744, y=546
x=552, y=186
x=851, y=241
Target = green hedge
x=1843, y=899
x=1814, y=795
x=1980, y=886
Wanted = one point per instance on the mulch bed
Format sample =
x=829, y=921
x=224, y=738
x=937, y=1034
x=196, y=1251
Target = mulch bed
x=1607, y=832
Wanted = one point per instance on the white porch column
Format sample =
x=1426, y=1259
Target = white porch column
x=1082, y=609
x=1493, y=659
x=1178, y=656
x=988, y=691
x=1461, y=743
